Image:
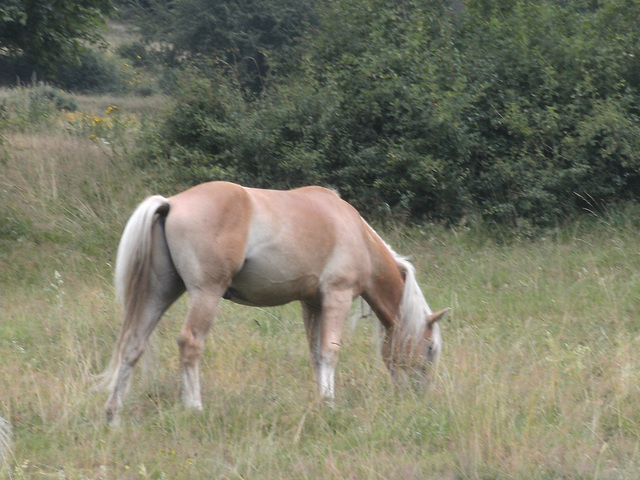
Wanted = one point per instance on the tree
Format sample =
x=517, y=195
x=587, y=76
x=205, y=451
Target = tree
x=47, y=33
x=244, y=36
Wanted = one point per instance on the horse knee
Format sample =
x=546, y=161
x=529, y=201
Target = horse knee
x=132, y=353
x=329, y=354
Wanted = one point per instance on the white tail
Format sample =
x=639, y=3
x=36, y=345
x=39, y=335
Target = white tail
x=135, y=246
x=131, y=277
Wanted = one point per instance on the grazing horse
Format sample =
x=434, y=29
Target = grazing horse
x=263, y=248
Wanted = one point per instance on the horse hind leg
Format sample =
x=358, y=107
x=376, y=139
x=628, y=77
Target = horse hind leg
x=164, y=288
x=202, y=311
x=132, y=345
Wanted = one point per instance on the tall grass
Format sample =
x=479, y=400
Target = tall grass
x=539, y=376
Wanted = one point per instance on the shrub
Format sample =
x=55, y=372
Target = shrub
x=31, y=108
x=136, y=53
x=509, y=113
x=43, y=93
x=112, y=129
x=96, y=71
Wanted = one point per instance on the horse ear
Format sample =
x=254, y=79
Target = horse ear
x=434, y=317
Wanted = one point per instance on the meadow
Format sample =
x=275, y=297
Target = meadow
x=539, y=378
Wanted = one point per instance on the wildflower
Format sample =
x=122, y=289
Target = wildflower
x=112, y=108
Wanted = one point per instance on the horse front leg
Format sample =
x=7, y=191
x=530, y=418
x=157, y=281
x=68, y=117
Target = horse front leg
x=330, y=323
x=389, y=356
x=311, y=316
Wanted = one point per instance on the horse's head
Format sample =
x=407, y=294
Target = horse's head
x=426, y=356
x=415, y=360
x=431, y=345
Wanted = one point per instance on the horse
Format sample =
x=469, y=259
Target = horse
x=262, y=248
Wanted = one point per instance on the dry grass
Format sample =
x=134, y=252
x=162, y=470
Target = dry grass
x=132, y=105
x=539, y=377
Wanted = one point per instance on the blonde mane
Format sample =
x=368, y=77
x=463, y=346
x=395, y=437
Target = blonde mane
x=414, y=309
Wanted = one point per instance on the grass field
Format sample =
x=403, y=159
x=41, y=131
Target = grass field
x=539, y=378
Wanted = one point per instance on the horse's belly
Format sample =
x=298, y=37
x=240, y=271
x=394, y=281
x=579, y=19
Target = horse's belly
x=271, y=282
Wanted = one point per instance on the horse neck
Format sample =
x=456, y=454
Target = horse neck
x=385, y=289
x=394, y=293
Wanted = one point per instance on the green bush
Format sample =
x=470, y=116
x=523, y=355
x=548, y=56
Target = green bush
x=31, y=108
x=96, y=71
x=136, y=53
x=511, y=113
x=43, y=94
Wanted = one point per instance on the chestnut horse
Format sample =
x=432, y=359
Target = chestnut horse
x=263, y=248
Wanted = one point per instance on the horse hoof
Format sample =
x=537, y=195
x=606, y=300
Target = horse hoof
x=194, y=405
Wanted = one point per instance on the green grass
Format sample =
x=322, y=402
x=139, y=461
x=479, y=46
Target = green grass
x=539, y=377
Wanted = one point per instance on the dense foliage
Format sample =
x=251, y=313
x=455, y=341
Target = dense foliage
x=237, y=36
x=515, y=111
x=46, y=33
